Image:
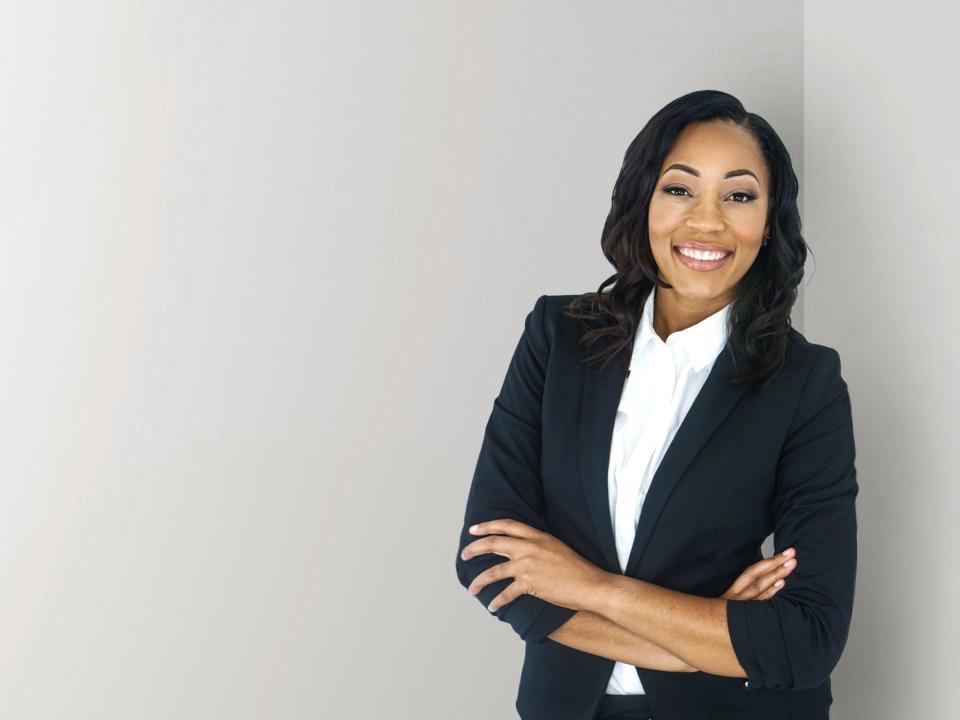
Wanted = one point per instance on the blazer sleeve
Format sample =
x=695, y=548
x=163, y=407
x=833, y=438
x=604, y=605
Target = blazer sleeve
x=507, y=481
x=794, y=640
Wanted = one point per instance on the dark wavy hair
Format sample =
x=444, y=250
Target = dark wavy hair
x=759, y=322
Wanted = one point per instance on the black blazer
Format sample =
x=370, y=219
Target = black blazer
x=745, y=462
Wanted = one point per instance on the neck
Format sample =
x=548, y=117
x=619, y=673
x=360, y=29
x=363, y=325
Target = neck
x=673, y=313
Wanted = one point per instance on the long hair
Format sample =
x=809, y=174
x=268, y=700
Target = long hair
x=759, y=322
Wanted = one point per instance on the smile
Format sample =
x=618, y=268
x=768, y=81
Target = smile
x=701, y=261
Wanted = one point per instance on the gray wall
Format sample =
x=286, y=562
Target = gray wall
x=262, y=265
x=881, y=152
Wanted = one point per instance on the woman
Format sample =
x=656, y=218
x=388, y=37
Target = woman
x=620, y=503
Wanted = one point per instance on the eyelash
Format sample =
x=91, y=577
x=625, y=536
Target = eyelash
x=750, y=197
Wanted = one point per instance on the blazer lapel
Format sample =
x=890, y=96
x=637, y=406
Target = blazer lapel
x=601, y=397
x=713, y=403
x=598, y=410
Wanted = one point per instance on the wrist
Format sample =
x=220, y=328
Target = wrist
x=603, y=592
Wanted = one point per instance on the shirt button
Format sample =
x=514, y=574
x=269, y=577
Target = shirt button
x=746, y=684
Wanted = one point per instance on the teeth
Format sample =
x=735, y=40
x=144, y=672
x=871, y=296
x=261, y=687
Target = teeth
x=700, y=255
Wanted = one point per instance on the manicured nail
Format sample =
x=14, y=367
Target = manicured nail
x=778, y=583
x=790, y=563
x=473, y=528
x=788, y=552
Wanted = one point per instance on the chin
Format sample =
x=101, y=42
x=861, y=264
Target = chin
x=702, y=291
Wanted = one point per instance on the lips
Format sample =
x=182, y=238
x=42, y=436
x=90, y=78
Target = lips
x=706, y=247
x=701, y=265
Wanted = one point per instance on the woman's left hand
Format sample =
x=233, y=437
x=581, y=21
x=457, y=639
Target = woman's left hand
x=540, y=564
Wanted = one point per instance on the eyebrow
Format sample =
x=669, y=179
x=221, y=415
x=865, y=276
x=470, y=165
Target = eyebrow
x=696, y=173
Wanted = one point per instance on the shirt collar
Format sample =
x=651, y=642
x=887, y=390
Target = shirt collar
x=702, y=341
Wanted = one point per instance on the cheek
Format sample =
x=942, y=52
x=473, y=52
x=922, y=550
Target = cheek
x=747, y=257
x=661, y=218
x=662, y=223
x=748, y=240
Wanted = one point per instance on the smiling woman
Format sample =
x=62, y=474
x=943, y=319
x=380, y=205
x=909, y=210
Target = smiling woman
x=621, y=506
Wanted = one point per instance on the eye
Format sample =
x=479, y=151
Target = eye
x=748, y=197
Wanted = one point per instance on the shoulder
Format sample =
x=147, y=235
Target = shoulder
x=548, y=313
x=549, y=320
x=550, y=308
x=815, y=365
x=819, y=360
x=554, y=310
x=823, y=383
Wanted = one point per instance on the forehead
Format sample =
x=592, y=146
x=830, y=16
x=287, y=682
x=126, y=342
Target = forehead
x=714, y=148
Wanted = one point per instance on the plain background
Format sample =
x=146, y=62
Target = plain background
x=263, y=264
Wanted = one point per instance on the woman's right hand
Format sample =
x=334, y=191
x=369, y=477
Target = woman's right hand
x=761, y=580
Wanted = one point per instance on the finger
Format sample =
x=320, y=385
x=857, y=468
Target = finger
x=770, y=591
x=505, y=526
x=775, y=561
x=758, y=569
x=779, y=572
x=497, y=544
x=490, y=575
x=512, y=592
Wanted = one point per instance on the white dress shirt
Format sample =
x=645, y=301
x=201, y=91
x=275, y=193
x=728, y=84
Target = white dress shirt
x=663, y=382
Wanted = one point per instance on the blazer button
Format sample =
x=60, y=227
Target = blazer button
x=746, y=684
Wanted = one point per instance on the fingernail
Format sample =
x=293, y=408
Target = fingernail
x=778, y=583
x=473, y=528
x=788, y=552
x=790, y=563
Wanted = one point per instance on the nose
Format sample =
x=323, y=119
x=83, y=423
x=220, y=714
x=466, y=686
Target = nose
x=705, y=217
